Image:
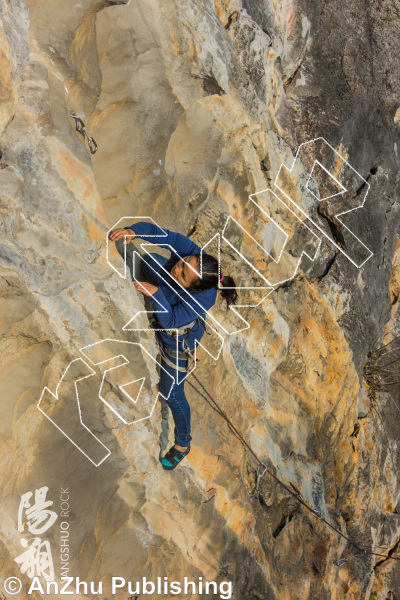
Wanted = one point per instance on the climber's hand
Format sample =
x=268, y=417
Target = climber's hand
x=146, y=288
x=117, y=234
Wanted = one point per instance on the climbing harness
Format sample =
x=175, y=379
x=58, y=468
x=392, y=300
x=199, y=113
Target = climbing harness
x=171, y=356
x=184, y=330
x=297, y=495
x=80, y=128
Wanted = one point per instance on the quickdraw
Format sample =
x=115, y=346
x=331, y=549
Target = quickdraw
x=80, y=128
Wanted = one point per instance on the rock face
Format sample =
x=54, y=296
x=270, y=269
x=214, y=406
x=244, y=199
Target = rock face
x=195, y=106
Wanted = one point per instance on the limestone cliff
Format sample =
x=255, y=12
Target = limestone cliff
x=195, y=106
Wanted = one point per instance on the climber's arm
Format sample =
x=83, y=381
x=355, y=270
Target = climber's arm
x=182, y=245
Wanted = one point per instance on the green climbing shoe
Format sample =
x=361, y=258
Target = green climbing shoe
x=173, y=457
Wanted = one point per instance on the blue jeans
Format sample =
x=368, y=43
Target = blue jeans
x=176, y=400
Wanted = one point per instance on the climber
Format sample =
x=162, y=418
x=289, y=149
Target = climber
x=178, y=308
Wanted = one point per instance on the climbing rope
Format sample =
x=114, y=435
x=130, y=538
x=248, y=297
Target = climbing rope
x=297, y=494
x=80, y=128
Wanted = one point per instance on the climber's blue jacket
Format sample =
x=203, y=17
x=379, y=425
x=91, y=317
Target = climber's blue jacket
x=183, y=306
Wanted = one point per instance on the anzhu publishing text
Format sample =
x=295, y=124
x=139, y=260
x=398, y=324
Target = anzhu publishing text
x=163, y=586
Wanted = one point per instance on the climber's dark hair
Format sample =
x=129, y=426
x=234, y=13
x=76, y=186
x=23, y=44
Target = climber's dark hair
x=210, y=278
